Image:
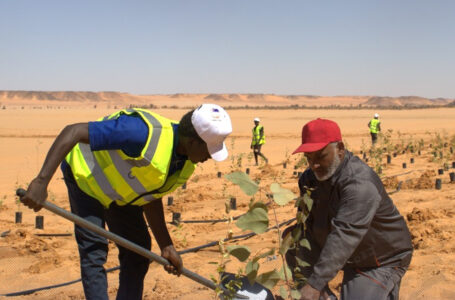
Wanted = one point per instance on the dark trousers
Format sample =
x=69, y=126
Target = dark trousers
x=374, y=137
x=381, y=283
x=126, y=221
x=257, y=152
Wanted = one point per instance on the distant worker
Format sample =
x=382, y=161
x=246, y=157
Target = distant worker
x=118, y=169
x=258, y=141
x=375, y=127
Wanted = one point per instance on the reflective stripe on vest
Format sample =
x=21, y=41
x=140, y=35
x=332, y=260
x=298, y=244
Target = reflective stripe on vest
x=257, y=139
x=374, y=125
x=111, y=175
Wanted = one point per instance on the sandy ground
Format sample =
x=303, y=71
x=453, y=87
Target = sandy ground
x=29, y=261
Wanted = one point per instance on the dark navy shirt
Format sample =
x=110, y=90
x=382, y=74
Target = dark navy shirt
x=128, y=133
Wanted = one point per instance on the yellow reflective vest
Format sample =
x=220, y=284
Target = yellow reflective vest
x=374, y=125
x=257, y=139
x=111, y=175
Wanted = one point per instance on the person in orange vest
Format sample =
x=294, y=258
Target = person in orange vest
x=258, y=140
x=375, y=128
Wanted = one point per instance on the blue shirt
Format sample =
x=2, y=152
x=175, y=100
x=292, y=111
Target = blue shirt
x=129, y=133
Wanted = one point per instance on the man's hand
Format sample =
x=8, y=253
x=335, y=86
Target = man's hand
x=309, y=293
x=173, y=257
x=36, y=194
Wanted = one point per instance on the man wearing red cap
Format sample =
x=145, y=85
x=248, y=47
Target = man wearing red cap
x=353, y=225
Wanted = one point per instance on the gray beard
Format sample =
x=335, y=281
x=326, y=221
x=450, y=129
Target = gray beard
x=333, y=167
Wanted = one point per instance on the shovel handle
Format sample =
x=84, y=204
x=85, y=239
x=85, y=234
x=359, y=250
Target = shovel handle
x=123, y=242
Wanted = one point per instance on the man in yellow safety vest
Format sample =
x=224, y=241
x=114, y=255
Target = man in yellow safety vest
x=116, y=170
x=258, y=140
x=375, y=128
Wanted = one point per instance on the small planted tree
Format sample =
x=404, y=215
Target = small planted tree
x=257, y=220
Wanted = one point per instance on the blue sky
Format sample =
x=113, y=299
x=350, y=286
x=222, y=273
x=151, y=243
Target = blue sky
x=385, y=48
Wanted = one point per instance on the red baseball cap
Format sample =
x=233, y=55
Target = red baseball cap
x=317, y=134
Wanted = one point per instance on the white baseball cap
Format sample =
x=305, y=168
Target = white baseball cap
x=376, y=115
x=256, y=120
x=213, y=124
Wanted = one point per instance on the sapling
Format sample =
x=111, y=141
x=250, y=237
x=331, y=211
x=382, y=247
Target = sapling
x=249, y=157
x=287, y=157
x=239, y=160
x=18, y=200
x=420, y=145
x=233, y=285
x=363, y=146
x=376, y=156
x=232, y=153
x=256, y=220
x=301, y=162
x=386, y=140
x=180, y=234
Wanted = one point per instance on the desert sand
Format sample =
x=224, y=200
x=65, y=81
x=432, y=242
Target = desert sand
x=29, y=261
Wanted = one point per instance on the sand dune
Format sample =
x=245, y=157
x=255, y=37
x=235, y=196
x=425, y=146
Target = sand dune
x=73, y=98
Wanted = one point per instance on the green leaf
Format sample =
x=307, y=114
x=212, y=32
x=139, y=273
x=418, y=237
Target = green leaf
x=305, y=243
x=268, y=279
x=295, y=294
x=302, y=263
x=286, y=243
x=265, y=254
x=251, y=271
x=240, y=252
x=256, y=220
x=259, y=204
x=288, y=272
x=281, y=196
x=300, y=217
x=296, y=233
x=245, y=183
x=308, y=201
x=283, y=292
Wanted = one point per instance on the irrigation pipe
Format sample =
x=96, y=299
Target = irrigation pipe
x=208, y=221
x=402, y=173
x=248, y=235
x=53, y=234
x=124, y=242
x=214, y=221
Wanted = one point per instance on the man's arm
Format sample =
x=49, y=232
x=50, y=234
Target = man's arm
x=155, y=217
x=65, y=141
x=359, y=201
